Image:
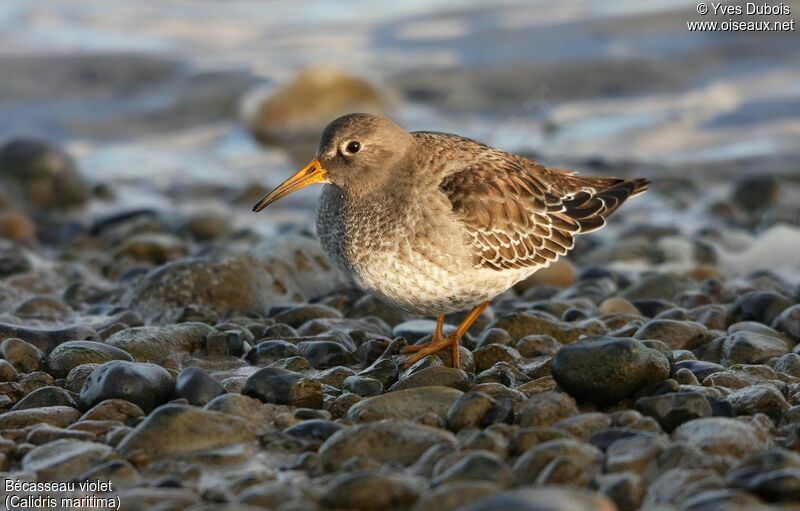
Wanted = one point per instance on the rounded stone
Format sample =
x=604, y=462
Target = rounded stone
x=604, y=370
x=405, y=404
x=371, y=491
x=279, y=386
x=146, y=385
x=197, y=386
x=25, y=357
x=71, y=354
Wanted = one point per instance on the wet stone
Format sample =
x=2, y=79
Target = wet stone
x=24, y=356
x=47, y=396
x=385, y=441
x=279, y=386
x=751, y=348
x=754, y=399
x=676, y=334
x=406, y=404
x=540, y=464
x=325, y=354
x=362, y=385
x=270, y=351
x=699, y=368
x=197, y=386
x=723, y=436
x=357, y=490
x=673, y=409
x=789, y=322
x=470, y=410
x=532, y=346
x=155, y=343
x=434, y=376
x=224, y=344
x=296, y=316
x=176, y=429
x=71, y=354
x=61, y=460
x=759, y=306
x=545, y=409
x=476, y=466
x=146, y=385
x=606, y=369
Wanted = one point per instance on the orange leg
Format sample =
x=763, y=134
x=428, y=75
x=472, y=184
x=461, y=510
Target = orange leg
x=440, y=342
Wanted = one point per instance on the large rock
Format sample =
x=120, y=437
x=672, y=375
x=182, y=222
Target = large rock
x=385, y=441
x=405, y=404
x=304, y=106
x=177, y=429
x=155, y=343
x=146, y=385
x=604, y=370
x=45, y=175
x=289, y=269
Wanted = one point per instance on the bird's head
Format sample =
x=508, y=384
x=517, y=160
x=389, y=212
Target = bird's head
x=357, y=152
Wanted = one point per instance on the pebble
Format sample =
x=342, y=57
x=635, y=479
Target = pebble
x=144, y=384
x=434, y=376
x=47, y=396
x=59, y=416
x=470, y=410
x=357, y=490
x=476, y=466
x=178, y=429
x=362, y=385
x=16, y=225
x=280, y=386
x=455, y=495
x=326, y=354
x=61, y=460
x=408, y=404
x=723, y=436
x=397, y=441
x=197, y=386
x=754, y=399
x=155, y=343
x=751, y=348
x=788, y=322
x=606, y=369
x=759, y=306
x=550, y=498
x=113, y=409
x=267, y=352
x=25, y=357
x=678, y=335
x=71, y=354
x=542, y=463
x=521, y=324
x=545, y=409
x=674, y=408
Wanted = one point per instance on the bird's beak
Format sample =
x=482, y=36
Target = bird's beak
x=308, y=175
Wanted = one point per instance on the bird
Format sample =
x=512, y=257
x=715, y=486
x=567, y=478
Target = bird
x=435, y=223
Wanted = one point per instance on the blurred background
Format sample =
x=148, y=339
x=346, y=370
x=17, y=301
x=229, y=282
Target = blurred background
x=199, y=105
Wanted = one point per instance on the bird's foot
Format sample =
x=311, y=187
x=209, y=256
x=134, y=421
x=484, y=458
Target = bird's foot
x=437, y=344
x=441, y=341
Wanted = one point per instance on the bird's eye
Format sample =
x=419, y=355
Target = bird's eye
x=353, y=147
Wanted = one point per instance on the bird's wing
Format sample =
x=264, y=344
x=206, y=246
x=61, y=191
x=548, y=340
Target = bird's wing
x=519, y=214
